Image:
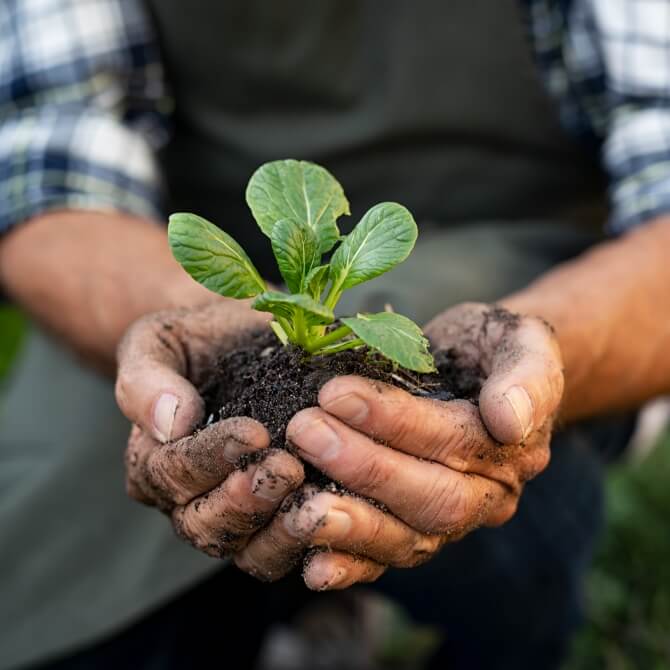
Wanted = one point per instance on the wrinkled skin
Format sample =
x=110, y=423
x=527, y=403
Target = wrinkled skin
x=192, y=477
x=439, y=469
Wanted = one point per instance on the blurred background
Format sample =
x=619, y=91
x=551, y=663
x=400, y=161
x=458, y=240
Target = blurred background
x=628, y=591
x=628, y=586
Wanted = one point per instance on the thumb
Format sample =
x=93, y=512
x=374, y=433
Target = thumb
x=151, y=388
x=526, y=382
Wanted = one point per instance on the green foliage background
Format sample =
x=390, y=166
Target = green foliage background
x=629, y=585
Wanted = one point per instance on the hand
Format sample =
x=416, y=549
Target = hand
x=192, y=477
x=440, y=469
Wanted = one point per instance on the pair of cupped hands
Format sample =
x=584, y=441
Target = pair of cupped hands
x=438, y=469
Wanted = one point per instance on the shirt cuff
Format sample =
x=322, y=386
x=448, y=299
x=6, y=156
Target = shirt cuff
x=74, y=158
x=637, y=156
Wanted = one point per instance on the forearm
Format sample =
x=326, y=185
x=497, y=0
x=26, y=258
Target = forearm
x=86, y=276
x=611, y=311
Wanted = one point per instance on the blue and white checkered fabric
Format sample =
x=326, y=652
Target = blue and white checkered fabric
x=607, y=62
x=80, y=94
x=82, y=101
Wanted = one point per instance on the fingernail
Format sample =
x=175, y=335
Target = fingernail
x=323, y=578
x=317, y=439
x=349, y=407
x=233, y=450
x=522, y=406
x=294, y=524
x=337, y=524
x=165, y=410
x=305, y=521
x=268, y=486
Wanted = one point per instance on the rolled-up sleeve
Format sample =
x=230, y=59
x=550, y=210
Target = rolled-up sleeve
x=618, y=51
x=82, y=108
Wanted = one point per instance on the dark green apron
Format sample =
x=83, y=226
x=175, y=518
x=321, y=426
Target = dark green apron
x=434, y=104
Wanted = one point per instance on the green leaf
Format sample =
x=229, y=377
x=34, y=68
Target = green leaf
x=301, y=191
x=316, y=280
x=212, y=257
x=296, y=249
x=394, y=336
x=286, y=305
x=384, y=237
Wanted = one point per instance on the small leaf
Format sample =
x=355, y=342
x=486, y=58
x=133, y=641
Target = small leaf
x=394, y=336
x=286, y=305
x=296, y=249
x=384, y=237
x=279, y=332
x=316, y=280
x=213, y=257
x=301, y=191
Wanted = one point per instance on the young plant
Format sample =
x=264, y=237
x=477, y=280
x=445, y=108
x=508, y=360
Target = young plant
x=297, y=204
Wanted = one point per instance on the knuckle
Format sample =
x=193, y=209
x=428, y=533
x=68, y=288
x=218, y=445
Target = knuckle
x=503, y=513
x=370, y=475
x=468, y=433
x=401, y=424
x=543, y=459
x=135, y=449
x=533, y=458
x=421, y=550
x=231, y=514
x=536, y=463
x=438, y=437
x=165, y=473
x=231, y=526
x=376, y=529
x=121, y=388
x=131, y=458
x=183, y=526
x=445, y=507
x=187, y=525
x=199, y=530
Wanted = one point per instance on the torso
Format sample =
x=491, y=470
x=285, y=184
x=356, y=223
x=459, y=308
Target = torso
x=437, y=105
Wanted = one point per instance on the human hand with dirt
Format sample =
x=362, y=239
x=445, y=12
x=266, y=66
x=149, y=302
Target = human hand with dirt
x=163, y=359
x=437, y=469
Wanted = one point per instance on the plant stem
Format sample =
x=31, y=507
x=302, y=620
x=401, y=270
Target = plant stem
x=334, y=294
x=300, y=329
x=286, y=326
x=330, y=338
x=349, y=344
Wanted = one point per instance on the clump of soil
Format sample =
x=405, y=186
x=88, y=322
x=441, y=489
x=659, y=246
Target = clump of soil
x=270, y=383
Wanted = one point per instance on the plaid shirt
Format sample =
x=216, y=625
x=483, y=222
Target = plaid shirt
x=83, y=106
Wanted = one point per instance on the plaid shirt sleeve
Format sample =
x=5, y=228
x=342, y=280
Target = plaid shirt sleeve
x=81, y=91
x=608, y=64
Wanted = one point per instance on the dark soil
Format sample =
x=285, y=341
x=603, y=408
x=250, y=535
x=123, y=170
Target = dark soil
x=270, y=383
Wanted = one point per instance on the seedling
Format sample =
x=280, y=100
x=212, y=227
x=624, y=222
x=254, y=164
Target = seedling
x=297, y=204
